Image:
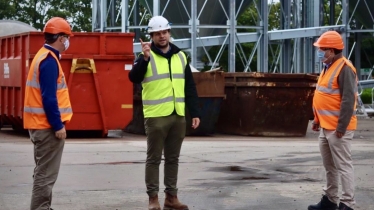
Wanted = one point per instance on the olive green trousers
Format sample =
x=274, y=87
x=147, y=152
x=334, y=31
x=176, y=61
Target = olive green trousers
x=164, y=134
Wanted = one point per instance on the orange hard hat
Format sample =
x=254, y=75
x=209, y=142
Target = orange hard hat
x=57, y=25
x=330, y=39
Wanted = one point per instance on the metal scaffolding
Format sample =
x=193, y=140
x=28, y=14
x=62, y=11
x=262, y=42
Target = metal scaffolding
x=301, y=22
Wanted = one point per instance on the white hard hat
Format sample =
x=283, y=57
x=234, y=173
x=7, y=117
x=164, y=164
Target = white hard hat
x=158, y=23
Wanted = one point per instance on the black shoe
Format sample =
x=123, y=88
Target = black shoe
x=342, y=206
x=324, y=204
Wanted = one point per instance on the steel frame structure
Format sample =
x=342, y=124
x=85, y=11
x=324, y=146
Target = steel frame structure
x=301, y=24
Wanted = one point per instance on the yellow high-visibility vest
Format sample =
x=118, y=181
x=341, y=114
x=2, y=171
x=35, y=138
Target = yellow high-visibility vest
x=161, y=94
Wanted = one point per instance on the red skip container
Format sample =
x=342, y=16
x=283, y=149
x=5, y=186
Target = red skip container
x=96, y=68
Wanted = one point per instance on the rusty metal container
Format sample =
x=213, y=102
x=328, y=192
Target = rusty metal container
x=96, y=70
x=264, y=104
x=210, y=89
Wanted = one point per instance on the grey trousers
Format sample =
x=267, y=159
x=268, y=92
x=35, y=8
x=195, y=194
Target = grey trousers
x=163, y=133
x=337, y=160
x=47, y=154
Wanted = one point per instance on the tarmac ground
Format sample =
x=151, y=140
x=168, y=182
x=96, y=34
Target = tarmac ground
x=220, y=172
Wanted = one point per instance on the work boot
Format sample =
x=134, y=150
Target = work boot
x=172, y=203
x=153, y=203
x=324, y=204
x=342, y=206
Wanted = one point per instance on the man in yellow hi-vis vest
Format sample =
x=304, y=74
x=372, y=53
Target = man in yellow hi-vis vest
x=334, y=106
x=168, y=86
x=46, y=110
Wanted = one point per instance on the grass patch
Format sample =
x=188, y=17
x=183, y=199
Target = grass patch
x=366, y=96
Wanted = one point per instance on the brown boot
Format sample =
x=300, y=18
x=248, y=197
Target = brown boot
x=172, y=203
x=153, y=203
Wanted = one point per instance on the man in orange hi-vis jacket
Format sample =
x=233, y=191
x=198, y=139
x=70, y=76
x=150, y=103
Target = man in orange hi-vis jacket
x=334, y=105
x=46, y=110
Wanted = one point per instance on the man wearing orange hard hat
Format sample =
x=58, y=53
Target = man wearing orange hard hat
x=334, y=106
x=47, y=109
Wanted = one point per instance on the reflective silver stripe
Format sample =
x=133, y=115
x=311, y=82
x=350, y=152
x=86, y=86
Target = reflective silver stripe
x=328, y=112
x=178, y=76
x=33, y=110
x=34, y=82
x=153, y=65
x=41, y=110
x=65, y=110
x=156, y=76
x=327, y=90
x=158, y=101
x=61, y=86
x=333, y=74
x=182, y=60
x=180, y=100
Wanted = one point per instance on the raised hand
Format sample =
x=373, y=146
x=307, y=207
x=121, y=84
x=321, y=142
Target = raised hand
x=146, y=48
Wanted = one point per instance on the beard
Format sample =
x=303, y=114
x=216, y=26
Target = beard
x=162, y=46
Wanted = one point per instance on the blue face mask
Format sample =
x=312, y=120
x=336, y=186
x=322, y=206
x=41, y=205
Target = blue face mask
x=321, y=54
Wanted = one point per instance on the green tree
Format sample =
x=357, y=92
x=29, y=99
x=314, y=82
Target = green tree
x=7, y=9
x=38, y=12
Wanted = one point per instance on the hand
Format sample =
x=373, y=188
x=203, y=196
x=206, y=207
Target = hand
x=339, y=134
x=315, y=127
x=195, y=122
x=61, y=134
x=146, y=49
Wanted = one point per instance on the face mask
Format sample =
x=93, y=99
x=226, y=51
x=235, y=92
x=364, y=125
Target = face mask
x=321, y=54
x=66, y=44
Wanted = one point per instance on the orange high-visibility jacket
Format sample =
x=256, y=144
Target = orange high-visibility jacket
x=327, y=98
x=34, y=116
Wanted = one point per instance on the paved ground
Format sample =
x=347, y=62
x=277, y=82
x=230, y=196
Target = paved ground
x=216, y=173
